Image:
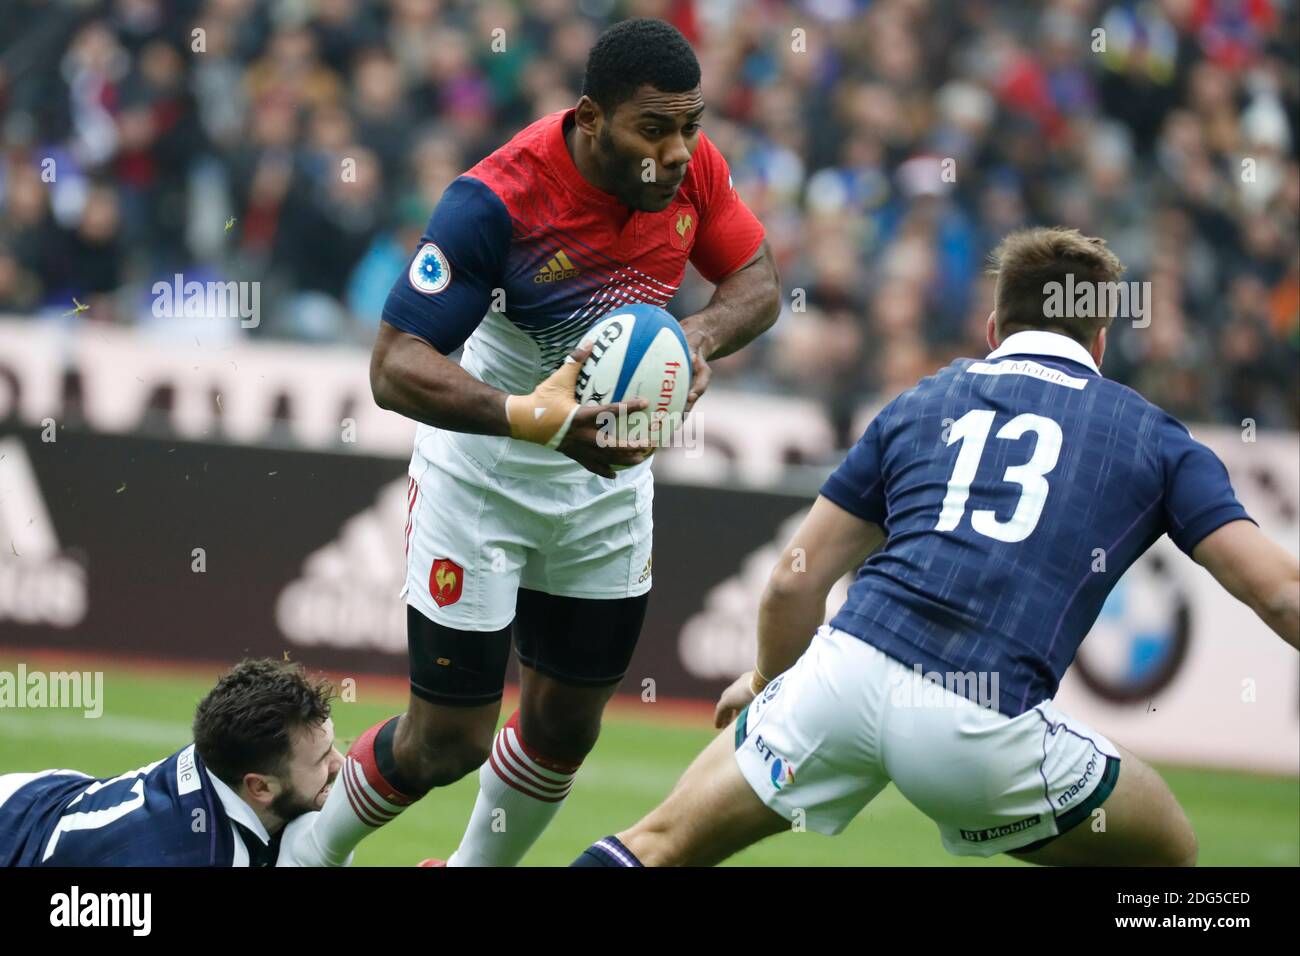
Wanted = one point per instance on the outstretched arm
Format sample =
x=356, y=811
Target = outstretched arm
x=1256, y=571
x=828, y=545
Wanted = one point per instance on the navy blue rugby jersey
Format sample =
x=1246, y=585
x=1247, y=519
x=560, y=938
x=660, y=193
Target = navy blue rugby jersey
x=173, y=812
x=1006, y=486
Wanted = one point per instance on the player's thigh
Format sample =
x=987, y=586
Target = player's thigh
x=601, y=548
x=466, y=544
x=1140, y=824
x=578, y=641
x=711, y=814
x=580, y=608
x=803, y=755
x=454, y=667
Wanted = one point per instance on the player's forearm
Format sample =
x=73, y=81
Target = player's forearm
x=409, y=377
x=828, y=545
x=788, y=616
x=744, y=306
x=1257, y=571
x=1281, y=611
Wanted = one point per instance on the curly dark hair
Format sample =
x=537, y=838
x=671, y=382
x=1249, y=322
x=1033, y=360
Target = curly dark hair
x=245, y=723
x=634, y=52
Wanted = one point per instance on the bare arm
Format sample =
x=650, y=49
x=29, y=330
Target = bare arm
x=744, y=306
x=410, y=377
x=828, y=545
x=1256, y=571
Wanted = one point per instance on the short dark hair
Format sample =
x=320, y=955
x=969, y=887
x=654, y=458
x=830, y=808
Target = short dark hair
x=244, y=724
x=635, y=52
x=1028, y=261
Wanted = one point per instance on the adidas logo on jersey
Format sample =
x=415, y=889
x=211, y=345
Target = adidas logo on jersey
x=558, y=268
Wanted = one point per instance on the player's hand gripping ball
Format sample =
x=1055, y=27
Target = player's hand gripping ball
x=638, y=351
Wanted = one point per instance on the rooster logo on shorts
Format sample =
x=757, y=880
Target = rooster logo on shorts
x=445, y=580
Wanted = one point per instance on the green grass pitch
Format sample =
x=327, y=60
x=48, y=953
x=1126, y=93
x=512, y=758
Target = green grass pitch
x=1240, y=819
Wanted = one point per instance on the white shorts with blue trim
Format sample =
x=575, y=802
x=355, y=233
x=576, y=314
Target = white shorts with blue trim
x=825, y=737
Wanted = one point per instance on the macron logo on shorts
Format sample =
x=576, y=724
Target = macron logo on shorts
x=1077, y=787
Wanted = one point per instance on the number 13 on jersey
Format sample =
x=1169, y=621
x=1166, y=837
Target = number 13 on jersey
x=972, y=430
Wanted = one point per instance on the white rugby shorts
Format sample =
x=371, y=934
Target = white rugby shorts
x=824, y=738
x=476, y=533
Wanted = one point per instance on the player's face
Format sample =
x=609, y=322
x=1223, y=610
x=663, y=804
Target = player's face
x=313, y=765
x=646, y=143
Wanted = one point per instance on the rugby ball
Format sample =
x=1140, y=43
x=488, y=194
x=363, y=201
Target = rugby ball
x=638, y=351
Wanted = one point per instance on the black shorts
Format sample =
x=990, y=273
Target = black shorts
x=579, y=641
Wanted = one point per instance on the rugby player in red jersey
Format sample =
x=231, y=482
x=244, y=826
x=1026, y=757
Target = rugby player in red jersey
x=519, y=529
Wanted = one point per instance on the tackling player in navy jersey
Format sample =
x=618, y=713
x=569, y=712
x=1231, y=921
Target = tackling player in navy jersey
x=262, y=761
x=973, y=508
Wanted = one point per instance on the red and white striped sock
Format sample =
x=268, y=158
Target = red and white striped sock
x=360, y=802
x=519, y=791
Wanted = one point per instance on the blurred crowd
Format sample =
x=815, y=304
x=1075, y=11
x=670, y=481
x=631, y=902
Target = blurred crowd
x=887, y=145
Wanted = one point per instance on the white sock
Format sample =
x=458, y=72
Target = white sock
x=520, y=791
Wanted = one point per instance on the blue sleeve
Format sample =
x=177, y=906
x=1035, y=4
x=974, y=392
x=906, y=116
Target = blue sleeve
x=1198, y=495
x=858, y=484
x=447, y=286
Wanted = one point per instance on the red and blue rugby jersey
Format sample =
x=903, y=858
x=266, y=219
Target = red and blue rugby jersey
x=522, y=255
x=525, y=221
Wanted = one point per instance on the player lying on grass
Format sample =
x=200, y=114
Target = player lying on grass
x=978, y=501
x=518, y=530
x=262, y=760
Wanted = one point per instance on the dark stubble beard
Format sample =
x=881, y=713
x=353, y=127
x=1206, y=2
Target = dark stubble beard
x=619, y=174
x=289, y=805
